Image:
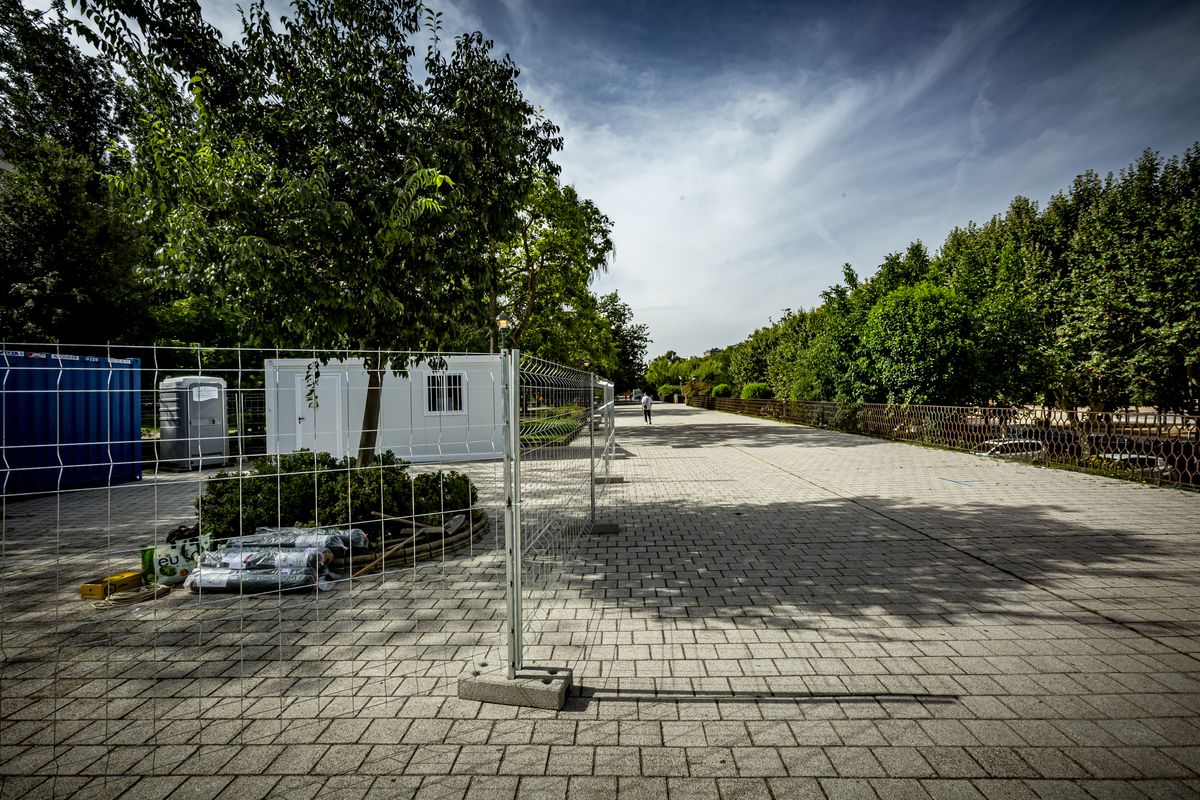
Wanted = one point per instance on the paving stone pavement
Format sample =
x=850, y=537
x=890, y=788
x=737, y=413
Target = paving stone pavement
x=786, y=612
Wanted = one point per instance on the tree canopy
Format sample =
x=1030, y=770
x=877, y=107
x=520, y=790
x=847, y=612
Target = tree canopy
x=1092, y=301
x=70, y=256
x=301, y=188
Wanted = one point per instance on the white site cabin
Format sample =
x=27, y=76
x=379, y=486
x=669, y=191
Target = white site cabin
x=452, y=414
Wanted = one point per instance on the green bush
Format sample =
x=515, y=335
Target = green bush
x=667, y=389
x=756, y=391
x=309, y=489
x=846, y=417
x=722, y=390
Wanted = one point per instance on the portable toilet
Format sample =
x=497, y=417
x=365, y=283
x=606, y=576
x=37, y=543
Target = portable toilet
x=193, y=422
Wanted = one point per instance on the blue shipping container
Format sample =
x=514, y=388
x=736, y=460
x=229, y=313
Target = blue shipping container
x=69, y=421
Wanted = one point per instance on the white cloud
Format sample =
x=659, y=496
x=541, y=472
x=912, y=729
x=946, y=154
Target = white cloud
x=745, y=194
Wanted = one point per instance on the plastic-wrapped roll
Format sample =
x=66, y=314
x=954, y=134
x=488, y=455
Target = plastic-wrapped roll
x=338, y=541
x=205, y=580
x=266, y=558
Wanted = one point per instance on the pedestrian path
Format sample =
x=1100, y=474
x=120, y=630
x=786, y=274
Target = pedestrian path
x=788, y=612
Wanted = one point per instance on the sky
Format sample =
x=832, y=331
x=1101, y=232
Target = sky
x=745, y=151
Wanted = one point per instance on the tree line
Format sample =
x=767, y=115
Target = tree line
x=1093, y=300
x=297, y=187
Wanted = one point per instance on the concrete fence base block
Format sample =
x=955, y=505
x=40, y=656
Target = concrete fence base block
x=618, y=457
x=606, y=527
x=534, y=687
x=617, y=479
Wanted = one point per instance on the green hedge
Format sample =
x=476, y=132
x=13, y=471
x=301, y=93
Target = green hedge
x=546, y=431
x=756, y=391
x=309, y=489
x=667, y=389
x=722, y=390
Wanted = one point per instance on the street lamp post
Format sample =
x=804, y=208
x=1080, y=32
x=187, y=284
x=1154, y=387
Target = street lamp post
x=502, y=322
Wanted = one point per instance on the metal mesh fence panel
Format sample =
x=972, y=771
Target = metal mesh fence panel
x=564, y=421
x=191, y=555
x=1134, y=444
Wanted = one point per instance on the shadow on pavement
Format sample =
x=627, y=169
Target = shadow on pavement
x=865, y=563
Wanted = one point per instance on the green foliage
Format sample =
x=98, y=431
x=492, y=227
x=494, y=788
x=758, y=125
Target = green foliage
x=789, y=363
x=918, y=341
x=670, y=368
x=757, y=391
x=562, y=242
x=332, y=201
x=697, y=388
x=662, y=370
x=1132, y=326
x=630, y=341
x=51, y=91
x=722, y=390
x=748, y=360
x=498, y=153
x=846, y=418
x=1093, y=301
x=667, y=390
x=315, y=489
x=71, y=260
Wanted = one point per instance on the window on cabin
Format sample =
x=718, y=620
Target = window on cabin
x=444, y=393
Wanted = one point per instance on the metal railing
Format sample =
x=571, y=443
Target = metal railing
x=1137, y=444
x=157, y=464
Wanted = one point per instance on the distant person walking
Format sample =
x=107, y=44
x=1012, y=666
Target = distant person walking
x=646, y=404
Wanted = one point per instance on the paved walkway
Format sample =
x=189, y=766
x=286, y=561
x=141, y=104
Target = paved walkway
x=786, y=613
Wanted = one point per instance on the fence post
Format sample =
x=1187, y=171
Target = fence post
x=591, y=423
x=518, y=539
x=510, y=378
x=610, y=429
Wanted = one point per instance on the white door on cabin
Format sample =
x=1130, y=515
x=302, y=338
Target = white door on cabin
x=319, y=417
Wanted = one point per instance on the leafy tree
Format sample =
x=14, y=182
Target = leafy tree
x=660, y=371
x=701, y=373
x=162, y=43
x=312, y=204
x=748, y=359
x=630, y=340
x=70, y=257
x=841, y=365
x=546, y=269
x=52, y=91
x=919, y=338
x=789, y=366
x=995, y=267
x=1092, y=301
x=506, y=160
x=1134, y=326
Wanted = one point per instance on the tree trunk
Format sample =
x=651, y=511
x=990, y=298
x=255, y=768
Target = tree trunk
x=492, y=331
x=370, y=428
x=1193, y=380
